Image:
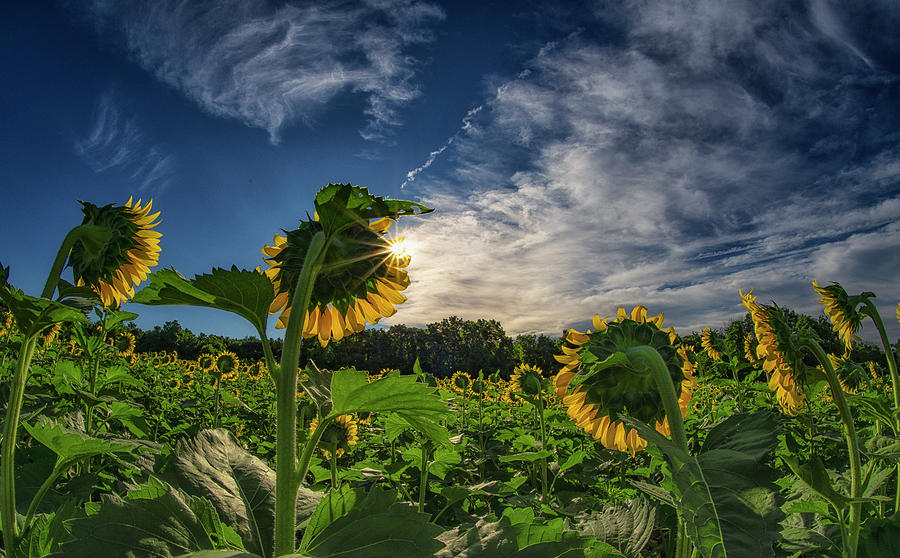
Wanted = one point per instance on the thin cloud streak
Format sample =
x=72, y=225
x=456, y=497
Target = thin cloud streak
x=706, y=155
x=115, y=143
x=270, y=67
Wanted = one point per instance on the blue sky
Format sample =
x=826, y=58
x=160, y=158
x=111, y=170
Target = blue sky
x=580, y=156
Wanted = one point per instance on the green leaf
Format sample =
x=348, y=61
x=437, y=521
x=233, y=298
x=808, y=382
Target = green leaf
x=339, y=205
x=33, y=315
x=118, y=375
x=615, y=359
x=815, y=476
x=527, y=456
x=239, y=485
x=116, y=317
x=152, y=520
x=245, y=293
x=754, y=434
x=317, y=384
x=880, y=538
x=728, y=498
x=352, y=522
x=227, y=554
x=627, y=527
x=70, y=445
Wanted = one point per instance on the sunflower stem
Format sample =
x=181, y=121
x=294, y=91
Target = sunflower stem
x=8, y=449
x=334, y=479
x=540, y=408
x=423, y=476
x=895, y=381
x=648, y=358
x=287, y=482
x=852, y=539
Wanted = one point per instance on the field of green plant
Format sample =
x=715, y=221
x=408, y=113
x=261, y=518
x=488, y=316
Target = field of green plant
x=781, y=438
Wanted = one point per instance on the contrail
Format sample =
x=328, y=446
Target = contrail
x=467, y=123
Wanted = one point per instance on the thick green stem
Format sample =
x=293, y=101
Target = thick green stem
x=58, y=470
x=852, y=539
x=648, y=358
x=423, y=476
x=286, y=480
x=334, y=479
x=895, y=381
x=544, y=486
x=7, y=452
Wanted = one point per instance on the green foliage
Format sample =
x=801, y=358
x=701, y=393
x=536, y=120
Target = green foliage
x=726, y=494
x=353, y=522
x=33, y=314
x=245, y=293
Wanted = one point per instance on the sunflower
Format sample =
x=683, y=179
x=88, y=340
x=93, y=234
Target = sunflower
x=51, y=334
x=776, y=354
x=605, y=390
x=749, y=353
x=339, y=434
x=114, y=264
x=706, y=341
x=362, y=271
x=206, y=362
x=460, y=381
x=527, y=379
x=124, y=344
x=227, y=364
x=841, y=310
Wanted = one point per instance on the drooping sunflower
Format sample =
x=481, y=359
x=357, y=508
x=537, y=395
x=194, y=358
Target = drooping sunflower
x=607, y=390
x=51, y=334
x=123, y=253
x=778, y=358
x=749, y=352
x=362, y=273
x=841, y=310
x=340, y=434
x=706, y=341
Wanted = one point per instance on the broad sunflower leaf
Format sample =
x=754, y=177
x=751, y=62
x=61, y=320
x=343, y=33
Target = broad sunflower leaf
x=815, y=476
x=70, y=445
x=727, y=497
x=154, y=519
x=353, y=522
x=627, y=527
x=239, y=485
x=245, y=293
x=342, y=204
x=880, y=538
x=228, y=554
x=32, y=314
x=754, y=435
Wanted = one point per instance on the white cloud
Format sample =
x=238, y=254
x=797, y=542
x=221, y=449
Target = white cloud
x=115, y=143
x=670, y=171
x=271, y=66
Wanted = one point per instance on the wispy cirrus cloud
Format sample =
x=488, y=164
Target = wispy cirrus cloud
x=115, y=142
x=269, y=66
x=718, y=146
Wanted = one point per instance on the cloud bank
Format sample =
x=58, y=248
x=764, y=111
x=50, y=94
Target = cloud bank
x=270, y=66
x=708, y=147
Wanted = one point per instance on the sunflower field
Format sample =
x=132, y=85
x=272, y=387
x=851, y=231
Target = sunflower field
x=771, y=439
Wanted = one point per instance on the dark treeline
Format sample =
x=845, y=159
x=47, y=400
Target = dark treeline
x=441, y=347
x=454, y=344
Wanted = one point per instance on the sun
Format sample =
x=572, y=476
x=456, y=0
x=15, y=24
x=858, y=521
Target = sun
x=401, y=248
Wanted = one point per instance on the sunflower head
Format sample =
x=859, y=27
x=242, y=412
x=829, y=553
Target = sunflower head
x=124, y=343
x=362, y=272
x=777, y=349
x=206, y=362
x=460, y=381
x=597, y=382
x=227, y=364
x=527, y=379
x=841, y=309
x=51, y=334
x=749, y=352
x=116, y=251
x=706, y=341
x=339, y=434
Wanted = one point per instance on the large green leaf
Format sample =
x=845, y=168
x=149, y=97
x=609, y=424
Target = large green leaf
x=727, y=497
x=341, y=204
x=754, y=435
x=418, y=404
x=32, y=314
x=70, y=445
x=240, y=486
x=815, y=476
x=353, y=522
x=880, y=538
x=245, y=293
x=152, y=520
x=626, y=527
